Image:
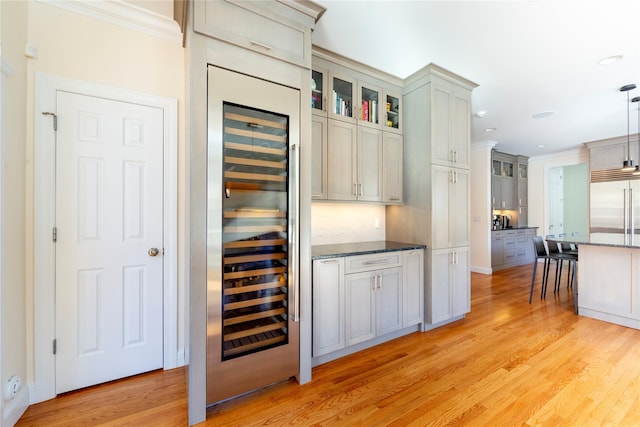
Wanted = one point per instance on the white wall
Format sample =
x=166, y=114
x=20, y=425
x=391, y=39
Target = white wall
x=481, y=207
x=75, y=46
x=538, y=184
x=14, y=220
x=346, y=222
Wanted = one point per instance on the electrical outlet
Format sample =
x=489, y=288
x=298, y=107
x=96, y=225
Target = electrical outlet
x=12, y=387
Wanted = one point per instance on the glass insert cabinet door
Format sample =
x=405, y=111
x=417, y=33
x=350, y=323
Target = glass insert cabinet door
x=254, y=232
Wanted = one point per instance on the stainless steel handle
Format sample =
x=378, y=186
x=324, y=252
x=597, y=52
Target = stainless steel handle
x=355, y=188
x=379, y=281
x=293, y=232
x=264, y=46
x=329, y=261
x=360, y=189
x=626, y=211
x=632, y=213
x=153, y=252
x=377, y=261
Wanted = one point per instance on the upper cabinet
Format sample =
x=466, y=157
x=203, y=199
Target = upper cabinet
x=362, y=109
x=342, y=89
x=451, y=116
x=393, y=109
x=256, y=26
x=319, y=88
x=503, y=181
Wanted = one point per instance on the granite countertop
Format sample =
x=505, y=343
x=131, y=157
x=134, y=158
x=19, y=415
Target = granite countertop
x=617, y=240
x=515, y=228
x=360, y=248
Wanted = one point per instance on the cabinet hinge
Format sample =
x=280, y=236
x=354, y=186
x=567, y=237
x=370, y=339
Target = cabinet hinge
x=55, y=234
x=55, y=119
x=55, y=346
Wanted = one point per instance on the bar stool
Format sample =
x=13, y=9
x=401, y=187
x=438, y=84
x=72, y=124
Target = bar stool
x=572, y=252
x=559, y=257
x=541, y=254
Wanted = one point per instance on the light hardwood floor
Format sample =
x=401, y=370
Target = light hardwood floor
x=506, y=363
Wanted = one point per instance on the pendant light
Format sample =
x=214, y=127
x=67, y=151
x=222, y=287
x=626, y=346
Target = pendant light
x=637, y=99
x=627, y=165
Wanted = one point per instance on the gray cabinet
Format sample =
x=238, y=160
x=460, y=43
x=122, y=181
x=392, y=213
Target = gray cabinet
x=354, y=162
x=392, y=176
x=362, y=300
x=436, y=209
x=497, y=248
x=363, y=137
x=319, y=158
x=523, y=190
x=512, y=247
x=450, y=205
x=262, y=30
x=413, y=287
x=341, y=160
x=503, y=184
x=451, y=105
x=450, y=285
x=328, y=306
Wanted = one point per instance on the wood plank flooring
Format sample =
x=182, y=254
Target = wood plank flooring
x=507, y=363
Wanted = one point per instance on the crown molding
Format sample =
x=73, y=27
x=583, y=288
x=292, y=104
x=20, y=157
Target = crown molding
x=124, y=15
x=485, y=145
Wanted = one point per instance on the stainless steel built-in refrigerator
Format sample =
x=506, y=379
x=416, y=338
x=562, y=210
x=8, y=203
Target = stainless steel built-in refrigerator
x=614, y=204
x=252, y=231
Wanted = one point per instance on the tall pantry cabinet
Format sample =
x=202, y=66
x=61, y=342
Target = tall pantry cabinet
x=436, y=209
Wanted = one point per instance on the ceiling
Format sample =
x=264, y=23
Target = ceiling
x=527, y=57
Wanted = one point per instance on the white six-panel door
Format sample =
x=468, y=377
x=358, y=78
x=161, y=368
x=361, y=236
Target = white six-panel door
x=109, y=283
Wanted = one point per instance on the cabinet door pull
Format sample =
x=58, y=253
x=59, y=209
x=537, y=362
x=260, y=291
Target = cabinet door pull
x=376, y=261
x=264, y=46
x=330, y=261
x=355, y=188
x=360, y=189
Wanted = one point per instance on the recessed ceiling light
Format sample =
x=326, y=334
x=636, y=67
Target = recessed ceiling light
x=542, y=114
x=489, y=129
x=541, y=146
x=610, y=59
x=480, y=114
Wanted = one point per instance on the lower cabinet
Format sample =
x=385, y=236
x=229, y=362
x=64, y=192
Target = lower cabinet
x=449, y=293
x=412, y=287
x=365, y=298
x=512, y=247
x=328, y=306
x=373, y=304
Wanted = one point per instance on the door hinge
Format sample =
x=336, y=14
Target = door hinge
x=55, y=119
x=55, y=234
x=55, y=346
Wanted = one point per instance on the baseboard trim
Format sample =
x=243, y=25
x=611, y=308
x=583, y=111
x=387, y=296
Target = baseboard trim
x=182, y=358
x=481, y=270
x=13, y=409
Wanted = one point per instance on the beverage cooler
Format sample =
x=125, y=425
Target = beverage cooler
x=252, y=231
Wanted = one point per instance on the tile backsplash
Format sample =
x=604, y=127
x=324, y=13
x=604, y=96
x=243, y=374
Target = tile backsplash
x=346, y=222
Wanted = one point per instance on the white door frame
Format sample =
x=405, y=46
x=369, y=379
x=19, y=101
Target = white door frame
x=44, y=213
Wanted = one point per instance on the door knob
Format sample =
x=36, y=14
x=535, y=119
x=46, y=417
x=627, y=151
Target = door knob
x=153, y=252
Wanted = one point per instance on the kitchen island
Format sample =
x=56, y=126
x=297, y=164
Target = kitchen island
x=609, y=278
